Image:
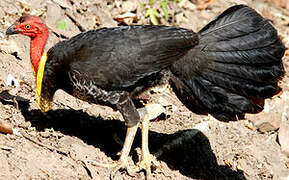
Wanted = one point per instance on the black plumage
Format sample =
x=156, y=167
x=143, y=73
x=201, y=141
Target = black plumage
x=227, y=69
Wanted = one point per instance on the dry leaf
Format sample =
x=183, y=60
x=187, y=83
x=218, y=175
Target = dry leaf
x=249, y=125
x=287, y=164
x=5, y=128
x=227, y=163
x=126, y=18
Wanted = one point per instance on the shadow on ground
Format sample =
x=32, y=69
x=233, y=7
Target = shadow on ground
x=188, y=151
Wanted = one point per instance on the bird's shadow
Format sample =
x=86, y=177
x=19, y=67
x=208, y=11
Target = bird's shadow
x=188, y=151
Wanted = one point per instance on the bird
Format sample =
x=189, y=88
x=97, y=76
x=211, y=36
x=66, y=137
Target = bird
x=226, y=69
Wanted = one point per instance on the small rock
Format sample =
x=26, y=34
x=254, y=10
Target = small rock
x=266, y=122
x=1, y=35
x=11, y=81
x=266, y=126
x=283, y=133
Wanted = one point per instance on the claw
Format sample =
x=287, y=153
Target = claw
x=122, y=162
x=146, y=163
x=115, y=167
x=121, y=165
x=149, y=112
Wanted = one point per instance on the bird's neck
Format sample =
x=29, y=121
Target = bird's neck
x=37, y=45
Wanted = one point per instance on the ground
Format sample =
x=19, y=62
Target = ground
x=66, y=142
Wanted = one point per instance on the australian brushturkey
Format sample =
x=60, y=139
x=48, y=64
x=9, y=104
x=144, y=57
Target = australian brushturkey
x=227, y=69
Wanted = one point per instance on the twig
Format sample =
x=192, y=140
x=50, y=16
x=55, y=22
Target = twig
x=76, y=22
x=25, y=135
x=6, y=148
x=47, y=174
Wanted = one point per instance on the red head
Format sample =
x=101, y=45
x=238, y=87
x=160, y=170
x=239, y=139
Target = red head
x=29, y=25
x=33, y=27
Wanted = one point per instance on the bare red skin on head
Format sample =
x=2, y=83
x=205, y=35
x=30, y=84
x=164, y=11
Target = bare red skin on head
x=34, y=27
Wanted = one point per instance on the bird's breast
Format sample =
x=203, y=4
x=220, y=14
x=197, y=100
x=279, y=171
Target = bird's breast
x=88, y=91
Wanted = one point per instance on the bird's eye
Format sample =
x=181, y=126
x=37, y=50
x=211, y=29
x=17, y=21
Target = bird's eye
x=27, y=26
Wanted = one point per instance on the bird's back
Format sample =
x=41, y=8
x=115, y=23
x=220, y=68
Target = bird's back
x=117, y=58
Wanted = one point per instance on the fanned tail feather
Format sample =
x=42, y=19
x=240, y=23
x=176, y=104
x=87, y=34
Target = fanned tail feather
x=236, y=65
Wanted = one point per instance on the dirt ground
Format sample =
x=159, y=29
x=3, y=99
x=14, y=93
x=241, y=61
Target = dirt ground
x=65, y=142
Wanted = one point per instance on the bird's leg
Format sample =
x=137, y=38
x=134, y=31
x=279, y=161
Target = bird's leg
x=152, y=111
x=146, y=157
x=132, y=119
x=146, y=114
x=123, y=162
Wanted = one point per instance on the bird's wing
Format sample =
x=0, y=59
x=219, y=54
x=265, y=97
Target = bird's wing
x=116, y=58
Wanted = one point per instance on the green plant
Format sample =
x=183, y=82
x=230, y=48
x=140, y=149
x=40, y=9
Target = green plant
x=61, y=25
x=152, y=13
x=164, y=6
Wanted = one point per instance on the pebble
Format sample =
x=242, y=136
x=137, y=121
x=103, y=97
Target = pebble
x=268, y=122
x=1, y=35
x=11, y=81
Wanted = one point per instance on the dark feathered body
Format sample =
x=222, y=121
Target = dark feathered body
x=110, y=66
x=227, y=69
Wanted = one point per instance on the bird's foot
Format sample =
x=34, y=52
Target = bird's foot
x=115, y=167
x=122, y=165
x=146, y=163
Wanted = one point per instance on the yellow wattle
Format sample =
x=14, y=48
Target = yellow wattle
x=43, y=104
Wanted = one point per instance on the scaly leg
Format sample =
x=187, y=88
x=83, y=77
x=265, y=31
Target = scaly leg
x=122, y=163
x=152, y=111
x=148, y=113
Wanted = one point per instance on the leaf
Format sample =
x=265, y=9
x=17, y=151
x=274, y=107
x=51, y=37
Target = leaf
x=61, y=25
x=152, y=13
x=5, y=128
x=140, y=4
x=151, y=2
x=164, y=6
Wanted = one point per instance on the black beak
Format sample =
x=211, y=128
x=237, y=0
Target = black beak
x=12, y=30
